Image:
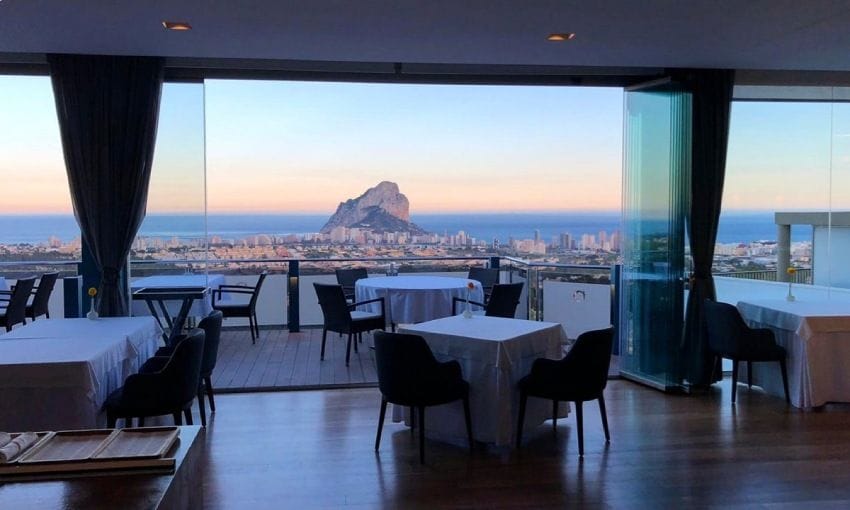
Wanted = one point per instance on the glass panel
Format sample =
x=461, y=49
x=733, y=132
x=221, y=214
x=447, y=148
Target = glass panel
x=655, y=170
x=172, y=238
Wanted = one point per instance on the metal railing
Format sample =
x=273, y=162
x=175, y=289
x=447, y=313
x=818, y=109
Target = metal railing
x=801, y=276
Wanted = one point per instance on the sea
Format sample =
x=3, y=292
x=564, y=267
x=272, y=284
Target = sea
x=37, y=229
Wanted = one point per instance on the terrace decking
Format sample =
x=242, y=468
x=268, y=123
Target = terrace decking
x=284, y=360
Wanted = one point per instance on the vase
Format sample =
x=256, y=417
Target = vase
x=92, y=315
x=467, y=312
x=790, y=296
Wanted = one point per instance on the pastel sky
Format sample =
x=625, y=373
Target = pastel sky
x=304, y=147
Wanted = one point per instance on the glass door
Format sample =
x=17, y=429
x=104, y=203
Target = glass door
x=656, y=169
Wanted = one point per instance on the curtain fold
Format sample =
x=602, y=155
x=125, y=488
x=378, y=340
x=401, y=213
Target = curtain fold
x=108, y=108
x=712, y=95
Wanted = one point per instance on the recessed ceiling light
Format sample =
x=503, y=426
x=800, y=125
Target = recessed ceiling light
x=177, y=25
x=560, y=37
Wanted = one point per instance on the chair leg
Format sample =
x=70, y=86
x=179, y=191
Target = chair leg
x=209, y=388
x=750, y=374
x=355, y=342
x=734, y=379
x=348, y=350
x=604, y=418
x=187, y=413
x=178, y=418
x=251, y=328
x=256, y=324
x=381, y=423
x=141, y=421
x=202, y=408
x=468, y=416
x=412, y=420
x=522, y=400
x=324, y=338
x=422, y=434
x=111, y=420
x=554, y=416
x=785, y=380
x=580, y=427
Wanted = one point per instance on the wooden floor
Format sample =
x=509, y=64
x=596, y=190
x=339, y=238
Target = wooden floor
x=314, y=449
x=284, y=360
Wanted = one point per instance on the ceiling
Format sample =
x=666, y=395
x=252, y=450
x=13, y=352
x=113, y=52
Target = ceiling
x=741, y=34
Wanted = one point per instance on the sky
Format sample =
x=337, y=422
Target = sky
x=302, y=147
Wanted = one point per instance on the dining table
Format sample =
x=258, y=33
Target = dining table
x=410, y=299
x=815, y=333
x=494, y=354
x=199, y=308
x=55, y=374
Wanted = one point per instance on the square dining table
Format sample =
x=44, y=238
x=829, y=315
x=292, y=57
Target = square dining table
x=494, y=353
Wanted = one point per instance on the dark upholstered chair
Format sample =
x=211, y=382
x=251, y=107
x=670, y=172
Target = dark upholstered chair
x=342, y=317
x=15, y=301
x=41, y=296
x=248, y=309
x=347, y=278
x=503, y=301
x=211, y=324
x=730, y=337
x=579, y=377
x=487, y=277
x=168, y=385
x=409, y=375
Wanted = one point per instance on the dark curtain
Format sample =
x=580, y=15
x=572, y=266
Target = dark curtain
x=108, y=109
x=712, y=96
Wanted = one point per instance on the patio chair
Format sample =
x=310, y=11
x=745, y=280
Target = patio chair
x=347, y=278
x=15, y=301
x=579, y=377
x=41, y=296
x=168, y=387
x=211, y=324
x=409, y=375
x=730, y=337
x=487, y=277
x=503, y=301
x=343, y=317
x=248, y=310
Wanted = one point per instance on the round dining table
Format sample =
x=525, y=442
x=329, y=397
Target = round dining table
x=414, y=299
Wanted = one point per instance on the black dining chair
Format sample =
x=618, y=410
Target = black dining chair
x=730, y=337
x=41, y=296
x=503, y=301
x=343, y=317
x=168, y=385
x=211, y=325
x=348, y=278
x=15, y=301
x=409, y=375
x=579, y=377
x=487, y=277
x=246, y=310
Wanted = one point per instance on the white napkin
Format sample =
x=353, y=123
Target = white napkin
x=5, y=437
x=17, y=446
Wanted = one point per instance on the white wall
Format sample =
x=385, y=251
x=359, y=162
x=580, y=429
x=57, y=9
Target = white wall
x=579, y=307
x=830, y=257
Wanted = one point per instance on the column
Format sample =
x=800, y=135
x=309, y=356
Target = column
x=783, y=252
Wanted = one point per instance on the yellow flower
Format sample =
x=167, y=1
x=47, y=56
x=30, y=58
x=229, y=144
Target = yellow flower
x=92, y=291
x=470, y=285
x=792, y=270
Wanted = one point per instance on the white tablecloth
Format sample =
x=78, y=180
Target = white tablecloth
x=816, y=334
x=200, y=308
x=56, y=373
x=495, y=353
x=412, y=299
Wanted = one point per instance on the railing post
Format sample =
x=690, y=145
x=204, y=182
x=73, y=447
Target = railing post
x=494, y=262
x=292, y=290
x=615, y=306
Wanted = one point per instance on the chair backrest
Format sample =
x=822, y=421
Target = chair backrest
x=504, y=300
x=403, y=362
x=42, y=293
x=253, y=303
x=211, y=324
x=348, y=277
x=725, y=327
x=183, y=370
x=16, y=310
x=484, y=275
x=589, y=360
x=334, y=307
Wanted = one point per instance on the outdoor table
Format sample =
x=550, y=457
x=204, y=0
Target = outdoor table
x=200, y=308
x=412, y=299
x=160, y=295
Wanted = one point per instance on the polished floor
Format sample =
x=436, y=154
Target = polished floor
x=314, y=449
x=284, y=360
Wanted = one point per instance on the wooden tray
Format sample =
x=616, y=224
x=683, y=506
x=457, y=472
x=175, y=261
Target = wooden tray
x=41, y=437
x=138, y=443
x=67, y=445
